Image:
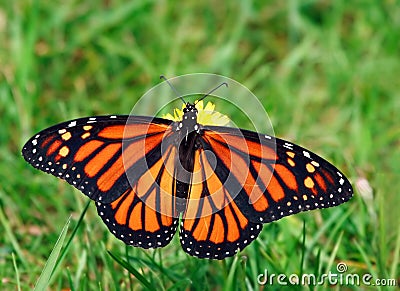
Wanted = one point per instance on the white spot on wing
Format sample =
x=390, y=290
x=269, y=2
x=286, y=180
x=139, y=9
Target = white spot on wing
x=72, y=124
x=288, y=146
x=315, y=163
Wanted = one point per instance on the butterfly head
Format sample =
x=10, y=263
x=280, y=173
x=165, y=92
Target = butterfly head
x=190, y=108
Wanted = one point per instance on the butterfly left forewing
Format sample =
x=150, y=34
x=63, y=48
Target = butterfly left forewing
x=90, y=154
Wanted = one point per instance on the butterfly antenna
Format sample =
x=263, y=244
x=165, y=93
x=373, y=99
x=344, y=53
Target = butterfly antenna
x=162, y=77
x=220, y=85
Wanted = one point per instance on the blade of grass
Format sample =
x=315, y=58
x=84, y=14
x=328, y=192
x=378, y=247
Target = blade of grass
x=396, y=262
x=333, y=253
x=127, y=259
x=303, y=248
x=71, y=284
x=16, y=272
x=367, y=259
x=50, y=266
x=156, y=267
x=231, y=275
x=11, y=236
x=64, y=251
x=337, y=219
x=133, y=271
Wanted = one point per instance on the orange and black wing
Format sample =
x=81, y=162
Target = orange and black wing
x=213, y=225
x=96, y=154
x=271, y=178
x=249, y=179
x=129, y=219
x=119, y=162
x=145, y=215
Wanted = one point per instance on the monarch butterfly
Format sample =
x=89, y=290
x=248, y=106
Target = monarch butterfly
x=222, y=183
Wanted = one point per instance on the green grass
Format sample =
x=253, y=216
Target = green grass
x=327, y=74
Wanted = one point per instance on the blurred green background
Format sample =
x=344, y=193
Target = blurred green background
x=327, y=72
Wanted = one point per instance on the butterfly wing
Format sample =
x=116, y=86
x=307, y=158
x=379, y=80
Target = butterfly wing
x=145, y=215
x=97, y=155
x=250, y=179
x=213, y=225
x=131, y=220
x=89, y=153
x=272, y=178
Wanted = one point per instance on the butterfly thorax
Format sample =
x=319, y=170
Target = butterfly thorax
x=189, y=123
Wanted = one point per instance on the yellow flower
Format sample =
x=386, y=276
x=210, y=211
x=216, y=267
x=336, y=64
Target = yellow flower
x=206, y=115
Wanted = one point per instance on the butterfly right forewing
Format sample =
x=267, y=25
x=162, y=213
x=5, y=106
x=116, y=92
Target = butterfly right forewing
x=272, y=178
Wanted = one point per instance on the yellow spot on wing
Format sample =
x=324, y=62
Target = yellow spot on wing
x=291, y=162
x=87, y=127
x=310, y=168
x=66, y=136
x=290, y=154
x=64, y=151
x=308, y=182
x=85, y=135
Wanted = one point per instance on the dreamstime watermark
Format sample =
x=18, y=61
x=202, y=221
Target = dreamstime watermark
x=330, y=278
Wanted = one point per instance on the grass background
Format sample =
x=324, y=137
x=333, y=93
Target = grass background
x=327, y=72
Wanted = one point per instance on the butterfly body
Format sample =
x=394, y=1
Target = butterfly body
x=188, y=130
x=222, y=183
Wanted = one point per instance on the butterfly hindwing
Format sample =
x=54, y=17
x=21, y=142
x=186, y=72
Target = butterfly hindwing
x=219, y=235
x=131, y=220
x=213, y=225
